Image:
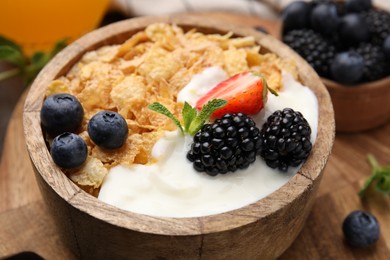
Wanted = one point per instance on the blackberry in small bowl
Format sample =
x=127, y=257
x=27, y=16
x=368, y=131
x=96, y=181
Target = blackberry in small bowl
x=313, y=47
x=230, y=143
x=285, y=139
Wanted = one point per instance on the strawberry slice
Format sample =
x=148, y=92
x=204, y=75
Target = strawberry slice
x=245, y=92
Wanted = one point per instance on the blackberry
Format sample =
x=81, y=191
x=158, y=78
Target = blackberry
x=228, y=144
x=285, y=139
x=378, y=22
x=376, y=66
x=317, y=51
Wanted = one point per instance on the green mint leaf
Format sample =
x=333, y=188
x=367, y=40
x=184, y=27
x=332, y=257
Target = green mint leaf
x=8, y=42
x=12, y=55
x=380, y=175
x=159, y=108
x=383, y=184
x=366, y=185
x=204, y=114
x=189, y=113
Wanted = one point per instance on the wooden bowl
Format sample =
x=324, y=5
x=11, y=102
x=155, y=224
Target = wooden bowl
x=357, y=107
x=93, y=229
x=360, y=107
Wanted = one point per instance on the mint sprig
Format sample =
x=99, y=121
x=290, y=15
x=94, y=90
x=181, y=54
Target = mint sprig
x=163, y=110
x=27, y=67
x=380, y=176
x=193, y=120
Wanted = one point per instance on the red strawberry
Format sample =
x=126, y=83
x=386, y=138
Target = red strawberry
x=245, y=92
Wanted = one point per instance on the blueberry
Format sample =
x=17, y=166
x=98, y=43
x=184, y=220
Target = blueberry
x=324, y=18
x=361, y=229
x=347, y=67
x=261, y=29
x=61, y=113
x=296, y=16
x=68, y=150
x=357, y=6
x=353, y=30
x=108, y=129
x=386, y=47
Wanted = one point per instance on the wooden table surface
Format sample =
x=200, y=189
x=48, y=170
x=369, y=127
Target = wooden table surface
x=26, y=226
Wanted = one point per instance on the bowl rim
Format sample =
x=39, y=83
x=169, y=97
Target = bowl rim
x=294, y=189
x=376, y=85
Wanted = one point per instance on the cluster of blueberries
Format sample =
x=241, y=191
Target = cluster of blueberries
x=347, y=41
x=62, y=115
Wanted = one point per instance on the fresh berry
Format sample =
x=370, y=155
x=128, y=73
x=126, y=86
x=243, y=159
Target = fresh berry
x=313, y=48
x=230, y=143
x=353, y=30
x=324, y=18
x=261, y=29
x=378, y=22
x=361, y=229
x=296, y=16
x=357, y=6
x=108, y=129
x=61, y=113
x=386, y=47
x=245, y=92
x=285, y=139
x=68, y=150
x=347, y=67
x=376, y=66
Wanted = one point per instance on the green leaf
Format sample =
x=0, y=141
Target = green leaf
x=383, y=184
x=159, y=108
x=204, y=114
x=12, y=55
x=380, y=175
x=38, y=58
x=189, y=113
x=58, y=47
x=28, y=68
x=8, y=42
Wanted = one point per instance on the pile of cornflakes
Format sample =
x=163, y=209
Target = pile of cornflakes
x=152, y=66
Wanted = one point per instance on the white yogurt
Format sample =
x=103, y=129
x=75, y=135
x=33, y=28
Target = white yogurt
x=172, y=188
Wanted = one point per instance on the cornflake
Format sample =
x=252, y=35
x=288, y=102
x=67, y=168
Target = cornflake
x=152, y=66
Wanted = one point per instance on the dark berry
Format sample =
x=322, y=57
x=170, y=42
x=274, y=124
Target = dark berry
x=361, y=229
x=108, y=129
x=376, y=66
x=68, y=150
x=324, y=18
x=357, y=6
x=296, y=16
x=378, y=22
x=232, y=144
x=353, y=30
x=313, y=48
x=261, y=29
x=61, y=113
x=386, y=47
x=285, y=139
x=347, y=67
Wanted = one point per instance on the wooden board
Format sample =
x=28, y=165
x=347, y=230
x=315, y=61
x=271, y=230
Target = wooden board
x=26, y=225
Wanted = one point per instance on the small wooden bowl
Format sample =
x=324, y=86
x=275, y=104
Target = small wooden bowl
x=95, y=230
x=357, y=107
x=360, y=107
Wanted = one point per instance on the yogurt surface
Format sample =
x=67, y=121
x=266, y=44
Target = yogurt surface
x=172, y=188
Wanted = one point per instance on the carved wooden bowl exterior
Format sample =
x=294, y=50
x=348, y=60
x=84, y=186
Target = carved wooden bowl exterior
x=95, y=230
x=360, y=107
